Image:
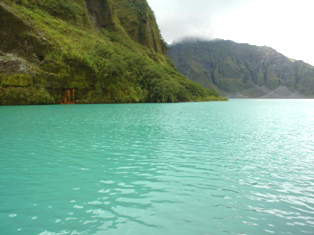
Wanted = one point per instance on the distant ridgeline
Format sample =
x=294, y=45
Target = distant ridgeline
x=243, y=70
x=87, y=51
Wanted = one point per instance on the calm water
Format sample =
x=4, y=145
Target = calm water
x=237, y=167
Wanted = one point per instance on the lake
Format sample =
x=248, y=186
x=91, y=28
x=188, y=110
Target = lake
x=237, y=167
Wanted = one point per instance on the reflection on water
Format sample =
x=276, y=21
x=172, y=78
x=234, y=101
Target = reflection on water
x=237, y=167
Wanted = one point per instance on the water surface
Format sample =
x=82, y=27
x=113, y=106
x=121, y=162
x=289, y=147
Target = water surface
x=237, y=167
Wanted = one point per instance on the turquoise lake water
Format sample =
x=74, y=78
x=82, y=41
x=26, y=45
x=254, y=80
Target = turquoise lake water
x=237, y=167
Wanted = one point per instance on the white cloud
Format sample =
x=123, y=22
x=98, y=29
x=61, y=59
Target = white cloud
x=285, y=25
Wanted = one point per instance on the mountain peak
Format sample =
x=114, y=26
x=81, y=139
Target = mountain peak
x=242, y=69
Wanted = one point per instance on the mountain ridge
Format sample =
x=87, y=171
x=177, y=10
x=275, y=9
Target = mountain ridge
x=242, y=70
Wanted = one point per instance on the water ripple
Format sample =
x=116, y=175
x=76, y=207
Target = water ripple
x=241, y=167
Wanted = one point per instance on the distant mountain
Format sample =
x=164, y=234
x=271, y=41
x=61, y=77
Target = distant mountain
x=243, y=70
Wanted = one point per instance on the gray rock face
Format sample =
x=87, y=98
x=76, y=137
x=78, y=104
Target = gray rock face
x=282, y=92
x=12, y=65
x=101, y=12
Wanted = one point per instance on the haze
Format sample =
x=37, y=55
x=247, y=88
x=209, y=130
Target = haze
x=285, y=25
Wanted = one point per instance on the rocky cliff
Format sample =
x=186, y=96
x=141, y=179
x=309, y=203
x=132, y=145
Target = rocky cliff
x=86, y=51
x=243, y=70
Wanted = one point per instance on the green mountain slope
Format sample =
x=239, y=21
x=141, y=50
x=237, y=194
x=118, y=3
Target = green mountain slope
x=243, y=70
x=86, y=51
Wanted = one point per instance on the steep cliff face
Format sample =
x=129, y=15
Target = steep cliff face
x=243, y=70
x=101, y=13
x=87, y=51
x=139, y=21
x=135, y=17
x=18, y=36
x=21, y=50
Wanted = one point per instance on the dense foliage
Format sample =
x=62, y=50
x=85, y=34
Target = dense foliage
x=108, y=59
x=29, y=95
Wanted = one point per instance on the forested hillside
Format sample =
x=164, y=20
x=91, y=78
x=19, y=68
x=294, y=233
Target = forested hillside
x=87, y=51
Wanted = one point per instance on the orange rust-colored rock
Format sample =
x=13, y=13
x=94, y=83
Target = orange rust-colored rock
x=68, y=96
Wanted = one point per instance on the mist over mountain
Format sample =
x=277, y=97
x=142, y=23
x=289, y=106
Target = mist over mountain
x=242, y=70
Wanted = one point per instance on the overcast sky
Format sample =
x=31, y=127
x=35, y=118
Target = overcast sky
x=285, y=25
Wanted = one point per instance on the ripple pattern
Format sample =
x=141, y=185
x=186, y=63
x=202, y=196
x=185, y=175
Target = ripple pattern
x=237, y=167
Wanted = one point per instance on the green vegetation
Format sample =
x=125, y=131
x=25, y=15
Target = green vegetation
x=11, y=96
x=241, y=69
x=110, y=51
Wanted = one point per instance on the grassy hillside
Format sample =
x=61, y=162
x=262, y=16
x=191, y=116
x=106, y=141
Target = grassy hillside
x=242, y=69
x=87, y=51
